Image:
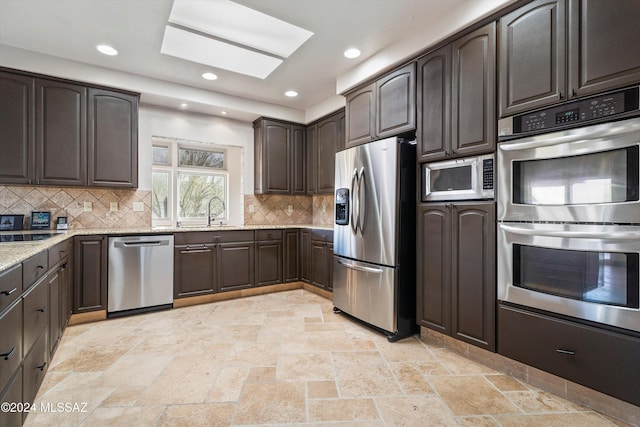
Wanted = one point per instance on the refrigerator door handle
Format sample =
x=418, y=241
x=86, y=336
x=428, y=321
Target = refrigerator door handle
x=360, y=267
x=362, y=200
x=353, y=201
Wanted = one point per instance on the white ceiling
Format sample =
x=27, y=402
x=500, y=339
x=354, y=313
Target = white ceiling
x=70, y=29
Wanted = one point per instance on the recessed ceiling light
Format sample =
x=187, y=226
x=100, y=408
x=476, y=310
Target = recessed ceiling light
x=209, y=76
x=106, y=49
x=224, y=113
x=291, y=93
x=184, y=105
x=351, y=53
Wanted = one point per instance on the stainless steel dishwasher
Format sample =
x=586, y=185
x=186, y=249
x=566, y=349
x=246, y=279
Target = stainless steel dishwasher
x=140, y=274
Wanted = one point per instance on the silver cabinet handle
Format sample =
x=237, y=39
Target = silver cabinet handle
x=360, y=267
x=7, y=293
x=567, y=352
x=8, y=355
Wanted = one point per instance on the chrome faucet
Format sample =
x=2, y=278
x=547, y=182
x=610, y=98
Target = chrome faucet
x=209, y=208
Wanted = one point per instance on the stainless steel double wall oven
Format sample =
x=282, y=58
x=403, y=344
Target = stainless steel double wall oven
x=569, y=209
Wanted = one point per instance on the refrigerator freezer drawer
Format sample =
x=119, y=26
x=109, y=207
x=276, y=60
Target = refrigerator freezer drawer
x=366, y=291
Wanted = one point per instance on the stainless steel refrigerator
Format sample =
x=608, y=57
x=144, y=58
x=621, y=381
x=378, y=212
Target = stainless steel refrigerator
x=374, y=235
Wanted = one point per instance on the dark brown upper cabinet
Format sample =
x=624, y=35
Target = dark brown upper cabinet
x=61, y=133
x=280, y=157
x=434, y=104
x=473, y=114
x=603, y=45
x=360, y=116
x=532, y=52
x=382, y=109
x=113, y=139
x=17, y=128
x=324, y=139
x=456, y=271
x=536, y=69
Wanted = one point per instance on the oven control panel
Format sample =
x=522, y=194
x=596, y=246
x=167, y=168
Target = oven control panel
x=572, y=113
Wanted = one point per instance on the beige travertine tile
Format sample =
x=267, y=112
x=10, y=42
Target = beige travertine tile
x=321, y=389
x=316, y=341
x=305, y=367
x=133, y=371
x=268, y=403
x=363, y=344
x=124, y=396
x=408, y=411
x=506, y=383
x=547, y=381
x=595, y=399
x=254, y=354
x=228, y=385
x=363, y=373
x=135, y=416
x=202, y=415
x=408, y=349
x=342, y=410
x=539, y=402
x=477, y=421
x=460, y=365
x=97, y=358
x=574, y=419
x=311, y=327
x=432, y=368
x=261, y=374
x=472, y=395
x=410, y=378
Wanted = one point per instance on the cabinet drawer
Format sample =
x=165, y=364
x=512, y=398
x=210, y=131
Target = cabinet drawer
x=59, y=251
x=233, y=236
x=598, y=359
x=268, y=234
x=12, y=394
x=10, y=342
x=10, y=286
x=34, y=268
x=36, y=313
x=324, y=235
x=35, y=366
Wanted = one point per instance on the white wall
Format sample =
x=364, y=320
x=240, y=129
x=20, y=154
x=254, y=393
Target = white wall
x=159, y=122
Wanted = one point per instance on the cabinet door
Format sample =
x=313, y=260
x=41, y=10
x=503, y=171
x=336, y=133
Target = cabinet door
x=532, y=57
x=268, y=262
x=113, y=139
x=473, y=275
x=396, y=102
x=603, y=44
x=360, y=116
x=66, y=294
x=342, y=130
x=194, y=270
x=473, y=120
x=90, y=274
x=298, y=162
x=13, y=393
x=17, y=128
x=276, y=155
x=54, y=309
x=305, y=248
x=327, y=146
x=329, y=264
x=61, y=133
x=434, y=105
x=433, y=307
x=235, y=266
x=312, y=159
x=318, y=264
x=11, y=342
x=291, y=261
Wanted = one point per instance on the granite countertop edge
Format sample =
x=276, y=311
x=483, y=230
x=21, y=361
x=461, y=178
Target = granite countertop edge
x=13, y=253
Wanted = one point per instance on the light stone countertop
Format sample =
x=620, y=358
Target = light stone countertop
x=12, y=253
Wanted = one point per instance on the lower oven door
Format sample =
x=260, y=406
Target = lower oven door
x=589, y=272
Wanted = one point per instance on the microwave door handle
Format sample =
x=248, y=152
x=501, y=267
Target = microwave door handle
x=353, y=201
x=362, y=200
x=616, y=235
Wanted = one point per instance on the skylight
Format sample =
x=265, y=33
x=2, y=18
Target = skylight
x=243, y=31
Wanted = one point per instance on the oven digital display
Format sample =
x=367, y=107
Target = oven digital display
x=568, y=116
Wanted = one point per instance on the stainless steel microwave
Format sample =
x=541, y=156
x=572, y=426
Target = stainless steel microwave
x=468, y=178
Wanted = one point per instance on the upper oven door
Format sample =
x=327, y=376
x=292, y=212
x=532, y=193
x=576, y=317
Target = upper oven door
x=467, y=178
x=588, y=174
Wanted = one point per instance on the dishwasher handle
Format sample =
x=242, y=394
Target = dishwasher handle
x=140, y=243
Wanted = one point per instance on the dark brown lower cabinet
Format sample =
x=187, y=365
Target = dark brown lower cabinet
x=235, y=266
x=55, y=330
x=269, y=257
x=12, y=393
x=456, y=270
x=305, y=247
x=602, y=360
x=291, y=256
x=10, y=342
x=194, y=270
x=90, y=273
x=35, y=366
x=317, y=258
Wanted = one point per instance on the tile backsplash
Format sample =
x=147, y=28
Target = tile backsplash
x=274, y=209
x=69, y=201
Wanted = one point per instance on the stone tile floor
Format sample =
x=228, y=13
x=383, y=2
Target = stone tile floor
x=281, y=358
